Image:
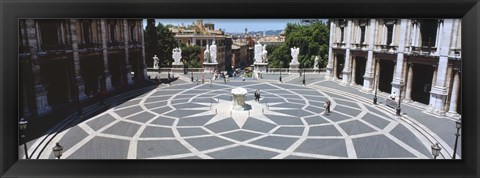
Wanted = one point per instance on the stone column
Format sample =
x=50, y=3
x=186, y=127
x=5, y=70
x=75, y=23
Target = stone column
x=76, y=61
x=377, y=73
x=398, y=79
x=434, y=77
x=448, y=85
x=408, y=92
x=106, y=71
x=439, y=92
x=127, y=55
x=334, y=68
x=354, y=65
x=347, y=68
x=330, y=52
x=368, y=77
x=142, y=62
x=414, y=36
x=452, y=111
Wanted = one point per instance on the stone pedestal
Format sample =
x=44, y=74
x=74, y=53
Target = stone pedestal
x=209, y=67
x=178, y=68
x=238, y=103
x=294, y=67
x=260, y=68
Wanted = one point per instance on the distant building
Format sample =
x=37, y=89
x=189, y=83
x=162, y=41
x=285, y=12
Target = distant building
x=69, y=59
x=201, y=35
x=417, y=58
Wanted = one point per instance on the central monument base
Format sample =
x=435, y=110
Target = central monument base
x=238, y=103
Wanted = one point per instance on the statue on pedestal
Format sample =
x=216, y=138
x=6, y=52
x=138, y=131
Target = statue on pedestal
x=264, y=54
x=315, y=64
x=155, y=62
x=213, y=52
x=258, y=52
x=177, y=55
x=206, y=55
x=294, y=53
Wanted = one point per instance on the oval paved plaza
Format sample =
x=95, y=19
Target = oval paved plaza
x=190, y=121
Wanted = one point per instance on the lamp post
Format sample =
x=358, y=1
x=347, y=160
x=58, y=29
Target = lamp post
x=399, y=110
x=376, y=83
x=458, y=124
x=192, y=75
x=303, y=81
x=436, y=150
x=281, y=65
x=57, y=150
x=22, y=125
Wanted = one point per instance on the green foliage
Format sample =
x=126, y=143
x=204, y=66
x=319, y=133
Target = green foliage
x=165, y=44
x=190, y=55
x=311, y=39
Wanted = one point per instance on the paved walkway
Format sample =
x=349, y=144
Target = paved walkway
x=183, y=121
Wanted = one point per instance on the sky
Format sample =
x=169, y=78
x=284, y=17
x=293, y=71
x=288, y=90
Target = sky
x=235, y=25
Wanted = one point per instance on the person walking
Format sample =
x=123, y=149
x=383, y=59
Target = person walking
x=243, y=78
x=203, y=79
x=327, y=106
x=210, y=82
x=196, y=79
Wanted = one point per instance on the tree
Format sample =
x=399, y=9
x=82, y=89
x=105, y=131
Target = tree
x=190, y=55
x=150, y=42
x=311, y=39
x=165, y=43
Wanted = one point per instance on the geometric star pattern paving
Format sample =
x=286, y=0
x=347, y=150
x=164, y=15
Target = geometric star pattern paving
x=179, y=122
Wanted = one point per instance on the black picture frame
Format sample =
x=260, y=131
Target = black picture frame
x=11, y=11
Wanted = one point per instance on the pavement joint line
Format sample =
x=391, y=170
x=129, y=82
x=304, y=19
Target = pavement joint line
x=402, y=142
x=317, y=156
x=174, y=156
x=425, y=131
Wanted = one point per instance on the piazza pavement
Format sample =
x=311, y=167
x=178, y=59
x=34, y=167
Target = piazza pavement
x=186, y=120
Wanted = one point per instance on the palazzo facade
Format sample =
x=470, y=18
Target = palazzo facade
x=417, y=59
x=67, y=60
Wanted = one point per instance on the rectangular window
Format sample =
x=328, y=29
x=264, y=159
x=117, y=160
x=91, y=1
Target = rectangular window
x=389, y=34
x=362, y=34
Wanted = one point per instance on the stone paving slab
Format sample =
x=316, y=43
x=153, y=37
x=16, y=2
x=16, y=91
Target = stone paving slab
x=155, y=148
x=206, y=143
x=242, y=152
x=379, y=146
x=157, y=132
x=71, y=138
x=194, y=121
x=315, y=120
x=128, y=111
x=163, y=121
x=241, y=135
x=333, y=147
x=123, y=129
x=326, y=130
x=349, y=111
x=223, y=125
x=355, y=127
x=156, y=104
x=185, y=132
x=376, y=121
x=102, y=148
x=257, y=125
x=162, y=109
x=283, y=120
x=403, y=134
x=100, y=121
x=142, y=117
x=295, y=131
x=275, y=142
x=129, y=103
x=336, y=117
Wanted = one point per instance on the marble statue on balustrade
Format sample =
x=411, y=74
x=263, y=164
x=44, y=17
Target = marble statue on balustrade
x=155, y=62
x=294, y=54
x=260, y=64
x=315, y=64
x=177, y=56
x=294, y=63
x=213, y=52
